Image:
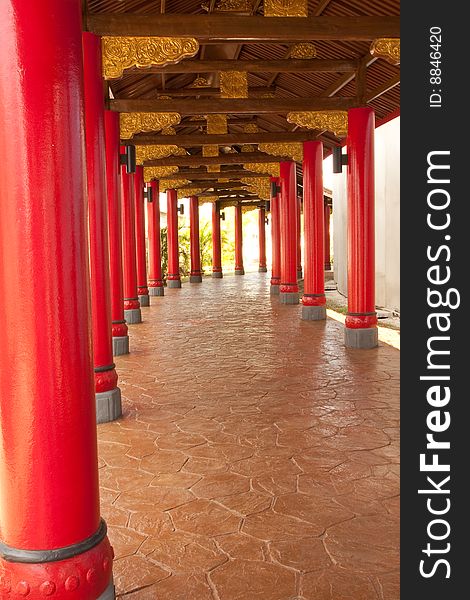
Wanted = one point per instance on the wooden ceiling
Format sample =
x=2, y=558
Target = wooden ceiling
x=344, y=71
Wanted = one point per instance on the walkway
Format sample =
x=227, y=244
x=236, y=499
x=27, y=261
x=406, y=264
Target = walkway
x=257, y=459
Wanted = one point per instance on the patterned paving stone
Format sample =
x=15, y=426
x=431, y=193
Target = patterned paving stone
x=257, y=458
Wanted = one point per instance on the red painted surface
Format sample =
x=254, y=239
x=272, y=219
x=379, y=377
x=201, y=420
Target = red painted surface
x=326, y=219
x=194, y=236
x=172, y=232
x=361, y=217
x=98, y=213
x=129, y=264
x=141, y=251
x=262, y=237
x=83, y=577
x=275, y=237
x=288, y=227
x=314, y=273
x=298, y=234
x=216, y=240
x=111, y=128
x=238, y=238
x=48, y=457
x=153, y=223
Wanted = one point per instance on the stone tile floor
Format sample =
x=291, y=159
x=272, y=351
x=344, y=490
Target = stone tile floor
x=257, y=458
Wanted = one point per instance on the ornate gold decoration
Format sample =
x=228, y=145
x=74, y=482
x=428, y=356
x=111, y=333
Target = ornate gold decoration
x=387, y=48
x=187, y=192
x=271, y=168
x=172, y=184
x=158, y=172
x=199, y=82
x=223, y=180
x=251, y=128
x=303, y=50
x=285, y=8
x=143, y=153
x=164, y=98
x=248, y=208
x=329, y=120
x=238, y=6
x=169, y=130
x=294, y=150
x=120, y=53
x=216, y=124
x=261, y=187
x=248, y=148
x=233, y=84
x=131, y=123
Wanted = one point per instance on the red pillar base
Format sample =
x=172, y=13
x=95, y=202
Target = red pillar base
x=144, y=299
x=361, y=338
x=299, y=274
x=108, y=405
x=217, y=274
x=133, y=316
x=263, y=270
x=173, y=283
x=313, y=313
x=157, y=290
x=195, y=279
x=240, y=271
x=288, y=294
x=274, y=291
x=120, y=345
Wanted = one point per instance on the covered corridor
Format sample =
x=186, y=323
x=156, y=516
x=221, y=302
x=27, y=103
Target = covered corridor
x=257, y=457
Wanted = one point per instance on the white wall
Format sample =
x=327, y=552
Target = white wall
x=387, y=217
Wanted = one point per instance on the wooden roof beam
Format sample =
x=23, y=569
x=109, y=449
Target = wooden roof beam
x=242, y=106
x=215, y=29
x=204, y=176
x=193, y=140
x=223, y=159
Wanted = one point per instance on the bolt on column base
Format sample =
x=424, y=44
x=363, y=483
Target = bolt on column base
x=173, y=283
x=133, y=316
x=361, y=338
x=289, y=297
x=108, y=405
x=120, y=345
x=313, y=313
x=144, y=300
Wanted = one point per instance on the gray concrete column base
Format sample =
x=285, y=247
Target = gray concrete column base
x=299, y=274
x=289, y=297
x=217, y=274
x=109, y=593
x=173, y=283
x=157, y=291
x=313, y=313
x=133, y=316
x=120, y=345
x=274, y=291
x=144, y=300
x=361, y=338
x=263, y=270
x=239, y=271
x=195, y=279
x=108, y=406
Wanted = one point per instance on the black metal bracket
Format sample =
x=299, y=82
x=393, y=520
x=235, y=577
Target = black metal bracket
x=339, y=159
x=128, y=159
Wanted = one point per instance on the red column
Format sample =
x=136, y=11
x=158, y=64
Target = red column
x=313, y=300
x=132, y=312
x=239, y=270
x=155, y=279
x=196, y=273
x=327, y=212
x=216, y=242
x=108, y=395
x=118, y=323
x=173, y=279
x=275, y=240
x=141, y=251
x=262, y=240
x=299, y=238
x=288, y=289
x=361, y=320
x=50, y=528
